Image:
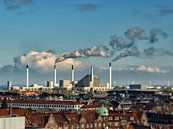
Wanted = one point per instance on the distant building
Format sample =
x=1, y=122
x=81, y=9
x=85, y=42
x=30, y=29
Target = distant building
x=87, y=83
x=137, y=86
x=43, y=104
x=158, y=121
x=9, y=85
x=50, y=84
x=36, y=87
x=65, y=84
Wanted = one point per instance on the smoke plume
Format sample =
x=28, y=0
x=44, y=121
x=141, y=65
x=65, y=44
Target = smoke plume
x=152, y=52
x=135, y=33
x=132, y=52
x=155, y=33
x=123, y=46
x=118, y=42
x=95, y=51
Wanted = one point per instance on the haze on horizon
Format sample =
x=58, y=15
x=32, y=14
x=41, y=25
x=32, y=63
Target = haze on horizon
x=135, y=36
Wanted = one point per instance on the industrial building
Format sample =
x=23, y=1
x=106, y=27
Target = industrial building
x=88, y=82
x=92, y=81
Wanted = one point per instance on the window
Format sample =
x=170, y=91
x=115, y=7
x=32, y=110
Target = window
x=82, y=126
x=110, y=118
x=91, y=125
x=100, y=125
x=116, y=118
x=131, y=118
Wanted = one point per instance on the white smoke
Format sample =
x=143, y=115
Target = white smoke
x=94, y=51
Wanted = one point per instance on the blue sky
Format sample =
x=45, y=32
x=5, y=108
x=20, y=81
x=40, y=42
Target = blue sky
x=65, y=26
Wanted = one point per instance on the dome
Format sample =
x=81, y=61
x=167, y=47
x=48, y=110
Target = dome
x=103, y=111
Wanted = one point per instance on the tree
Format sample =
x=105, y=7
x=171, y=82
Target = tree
x=4, y=103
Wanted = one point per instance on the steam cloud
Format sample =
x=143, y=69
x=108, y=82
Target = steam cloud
x=154, y=34
x=95, y=51
x=133, y=52
x=152, y=52
x=122, y=47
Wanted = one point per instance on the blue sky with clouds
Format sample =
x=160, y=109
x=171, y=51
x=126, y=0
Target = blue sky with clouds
x=65, y=26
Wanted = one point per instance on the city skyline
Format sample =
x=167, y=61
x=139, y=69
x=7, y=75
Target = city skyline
x=136, y=38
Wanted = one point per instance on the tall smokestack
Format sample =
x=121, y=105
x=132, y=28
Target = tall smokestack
x=9, y=85
x=110, y=76
x=54, y=75
x=92, y=73
x=72, y=74
x=92, y=77
x=27, y=76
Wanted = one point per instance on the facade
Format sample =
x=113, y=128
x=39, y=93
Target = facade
x=65, y=84
x=12, y=122
x=159, y=121
x=88, y=83
x=101, y=118
x=40, y=104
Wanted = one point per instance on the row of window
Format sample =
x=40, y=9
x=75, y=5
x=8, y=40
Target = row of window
x=45, y=105
x=94, y=125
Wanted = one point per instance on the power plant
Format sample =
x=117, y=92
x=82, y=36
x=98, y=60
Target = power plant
x=88, y=82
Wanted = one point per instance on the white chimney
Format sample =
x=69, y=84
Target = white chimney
x=92, y=73
x=72, y=74
x=9, y=85
x=92, y=77
x=110, y=76
x=54, y=75
x=27, y=76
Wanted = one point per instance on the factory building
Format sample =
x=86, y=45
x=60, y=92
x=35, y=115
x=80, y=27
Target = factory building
x=86, y=83
x=92, y=82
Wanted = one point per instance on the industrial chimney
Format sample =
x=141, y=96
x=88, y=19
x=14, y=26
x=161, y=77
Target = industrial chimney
x=72, y=74
x=110, y=76
x=27, y=76
x=9, y=85
x=92, y=77
x=54, y=75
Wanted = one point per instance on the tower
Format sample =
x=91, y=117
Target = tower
x=54, y=82
x=72, y=74
x=27, y=76
x=110, y=76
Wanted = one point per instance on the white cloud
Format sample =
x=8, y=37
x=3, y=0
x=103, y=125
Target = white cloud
x=150, y=69
x=140, y=68
x=43, y=62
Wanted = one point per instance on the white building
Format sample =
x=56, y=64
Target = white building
x=12, y=122
x=38, y=104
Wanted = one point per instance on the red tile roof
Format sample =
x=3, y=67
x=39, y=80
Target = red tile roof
x=91, y=106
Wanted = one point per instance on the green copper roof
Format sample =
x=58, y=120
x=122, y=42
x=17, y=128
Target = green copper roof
x=103, y=111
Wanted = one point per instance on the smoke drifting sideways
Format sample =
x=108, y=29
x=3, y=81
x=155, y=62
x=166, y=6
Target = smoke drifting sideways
x=123, y=46
x=95, y=51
